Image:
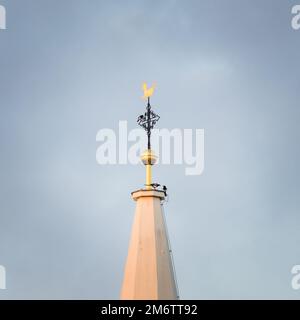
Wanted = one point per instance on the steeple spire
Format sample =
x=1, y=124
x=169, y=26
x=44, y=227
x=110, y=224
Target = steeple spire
x=149, y=272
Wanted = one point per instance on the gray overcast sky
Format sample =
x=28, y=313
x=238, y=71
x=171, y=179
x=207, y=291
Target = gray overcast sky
x=69, y=68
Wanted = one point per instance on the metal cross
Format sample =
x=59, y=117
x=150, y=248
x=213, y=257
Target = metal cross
x=148, y=121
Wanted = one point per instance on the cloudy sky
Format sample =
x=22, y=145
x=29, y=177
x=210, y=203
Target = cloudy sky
x=70, y=68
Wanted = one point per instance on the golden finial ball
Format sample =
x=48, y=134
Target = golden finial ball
x=148, y=157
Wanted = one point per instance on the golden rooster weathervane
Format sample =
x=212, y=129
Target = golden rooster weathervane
x=148, y=92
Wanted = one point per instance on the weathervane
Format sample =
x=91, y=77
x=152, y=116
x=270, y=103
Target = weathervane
x=148, y=121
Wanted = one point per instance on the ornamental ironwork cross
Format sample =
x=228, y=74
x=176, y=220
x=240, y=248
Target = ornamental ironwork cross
x=148, y=121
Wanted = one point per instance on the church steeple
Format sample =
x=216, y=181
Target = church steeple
x=149, y=271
